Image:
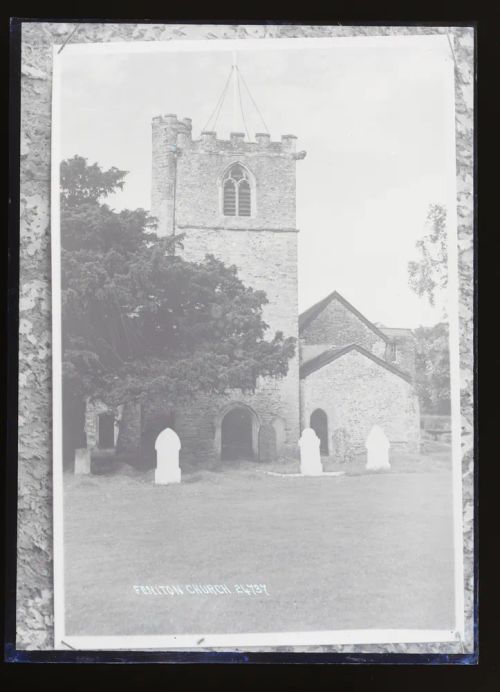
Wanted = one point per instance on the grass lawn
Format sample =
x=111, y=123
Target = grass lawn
x=354, y=551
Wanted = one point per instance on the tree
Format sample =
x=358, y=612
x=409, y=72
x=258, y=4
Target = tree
x=432, y=371
x=81, y=182
x=428, y=277
x=429, y=274
x=138, y=318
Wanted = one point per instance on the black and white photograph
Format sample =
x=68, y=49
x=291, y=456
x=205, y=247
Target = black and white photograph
x=258, y=439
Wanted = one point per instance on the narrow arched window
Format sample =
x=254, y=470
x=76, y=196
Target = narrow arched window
x=237, y=194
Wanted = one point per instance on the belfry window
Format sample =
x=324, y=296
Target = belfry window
x=237, y=195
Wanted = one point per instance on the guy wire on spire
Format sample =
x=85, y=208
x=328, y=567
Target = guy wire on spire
x=220, y=101
x=241, y=103
x=253, y=101
x=236, y=74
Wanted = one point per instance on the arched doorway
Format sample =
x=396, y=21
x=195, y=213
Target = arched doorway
x=319, y=423
x=237, y=434
x=106, y=430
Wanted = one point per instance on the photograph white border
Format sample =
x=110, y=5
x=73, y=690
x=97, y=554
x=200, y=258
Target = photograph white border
x=273, y=639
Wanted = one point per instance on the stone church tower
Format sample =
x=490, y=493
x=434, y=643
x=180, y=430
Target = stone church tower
x=236, y=200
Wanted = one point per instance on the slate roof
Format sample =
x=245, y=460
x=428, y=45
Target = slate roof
x=311, y=313
x=332, y=354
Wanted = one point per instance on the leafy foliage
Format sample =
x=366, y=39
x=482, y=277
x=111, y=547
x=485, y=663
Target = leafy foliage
x=138, y=318
x=81, y=182
x=428, y=277
x=429, y=274
x=433, y=368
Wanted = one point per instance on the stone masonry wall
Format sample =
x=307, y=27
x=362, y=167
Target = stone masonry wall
x=308, y=351
x=356, y=393
x=267, y=261
x=166, y=131
x=337, y=326
x=199, y=176
x=196, y=422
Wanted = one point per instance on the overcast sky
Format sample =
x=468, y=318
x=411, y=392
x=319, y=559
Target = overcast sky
x=373, y=121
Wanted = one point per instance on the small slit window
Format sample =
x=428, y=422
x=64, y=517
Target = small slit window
x=391, y=351
x=237, y=192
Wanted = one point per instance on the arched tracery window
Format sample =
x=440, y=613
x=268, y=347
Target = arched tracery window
x=237, y=194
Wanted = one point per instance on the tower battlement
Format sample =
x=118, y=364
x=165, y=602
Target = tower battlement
x=236, y=142
x=179, y=132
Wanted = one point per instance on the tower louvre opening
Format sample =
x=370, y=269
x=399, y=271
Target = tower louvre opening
x=229, y=198
x=244, y=199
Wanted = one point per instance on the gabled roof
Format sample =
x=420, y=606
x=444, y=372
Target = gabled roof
x=311, y=313
x=332, y=354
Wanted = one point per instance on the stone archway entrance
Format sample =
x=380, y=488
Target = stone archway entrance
x=237, y=433
x=319, y=423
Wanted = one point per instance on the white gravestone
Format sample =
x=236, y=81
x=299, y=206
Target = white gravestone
x=82, y=461
x=167, y=447
x=377, y=447
x=310, y=458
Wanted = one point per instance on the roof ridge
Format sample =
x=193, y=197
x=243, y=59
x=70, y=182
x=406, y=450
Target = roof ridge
x=331, y=354
x=306, y=317
x=321, y=304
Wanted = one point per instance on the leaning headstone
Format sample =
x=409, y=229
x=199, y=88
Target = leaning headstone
x=167, y=447
x=377, y=447
x=310, y=458
x=82, y=461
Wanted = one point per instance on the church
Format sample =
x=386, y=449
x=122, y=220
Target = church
x=236, y=199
